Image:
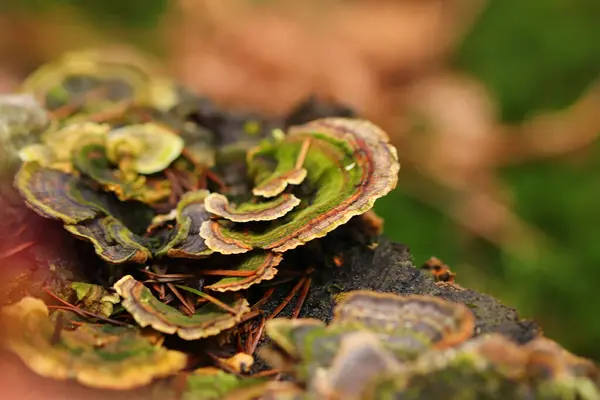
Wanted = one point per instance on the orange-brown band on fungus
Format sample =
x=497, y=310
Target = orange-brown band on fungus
x=265, y=270
x=375, y=166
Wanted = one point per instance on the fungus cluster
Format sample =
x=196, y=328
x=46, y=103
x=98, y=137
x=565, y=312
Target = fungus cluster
x=162, y=226
x=184, y=216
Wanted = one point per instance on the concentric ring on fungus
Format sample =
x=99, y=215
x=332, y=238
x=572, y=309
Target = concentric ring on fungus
x=350, y=164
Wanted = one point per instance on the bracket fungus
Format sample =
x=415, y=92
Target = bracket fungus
x=54, y=194
x=101, y=356
x=349, y=165
x=253, y=269
x=209, y=319
x=190, y=214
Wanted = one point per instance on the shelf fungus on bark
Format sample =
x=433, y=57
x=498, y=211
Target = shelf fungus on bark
x=103, y=79
x=99, y=356
x=112, y=240
x=349, y=165
x=208, y=320
x=260, y=265
x=425, y=319
x=143, y=148
x=56, y=194
x=251, y=211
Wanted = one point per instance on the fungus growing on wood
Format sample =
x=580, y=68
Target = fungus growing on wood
x=208, y=320
x=100, y=356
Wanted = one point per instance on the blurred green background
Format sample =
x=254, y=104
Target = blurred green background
x=535, y=56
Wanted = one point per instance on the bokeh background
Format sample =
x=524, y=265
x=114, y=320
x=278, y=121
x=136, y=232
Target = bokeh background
x=494, y=107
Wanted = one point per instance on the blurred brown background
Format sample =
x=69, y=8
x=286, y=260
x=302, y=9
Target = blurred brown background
x=494, y=108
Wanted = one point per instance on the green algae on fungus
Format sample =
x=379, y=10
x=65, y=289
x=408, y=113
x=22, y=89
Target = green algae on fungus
x=441, y=323
x=349, y=165
x=95, y=298
x=99, y=356
x=112, y=240
x=251, y=211
x=147, y=310
x=56, y=194
x=145, y=148
x=261, y=265
x=102, y=78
